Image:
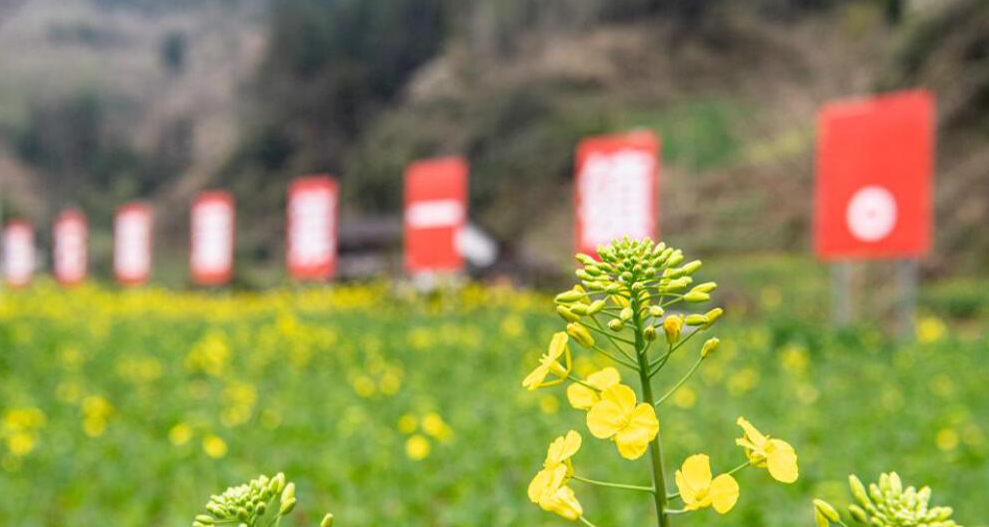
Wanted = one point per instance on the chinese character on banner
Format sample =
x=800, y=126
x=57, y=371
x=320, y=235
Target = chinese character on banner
x=18, y=253
x=211, y=255
x=132, y=244
x=616, y=187
x=435, y=213
x=70, y=255
x=875, y=160
x=311, y=244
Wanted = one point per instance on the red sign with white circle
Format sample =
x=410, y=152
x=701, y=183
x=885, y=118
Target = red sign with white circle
x=211, y=255
x=435, y=213
x=18, y=253
x=875, y=164
x=615, y=189
x=311, y=237
x=70, y=255
x=132, y=244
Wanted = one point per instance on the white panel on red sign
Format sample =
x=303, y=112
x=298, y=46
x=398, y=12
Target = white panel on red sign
x=132, y=244
x=311, y=244
x=70, y=254
x=617, y=177
x=211, y=256
x=18, y=253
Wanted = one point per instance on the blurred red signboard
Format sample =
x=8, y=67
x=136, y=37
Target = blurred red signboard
x=18, y=253
x=132, y=244
x=616, y=188
x=70, y=255
x=875, y=160
x=211, y=254
x=311, y=225
x=435, y=213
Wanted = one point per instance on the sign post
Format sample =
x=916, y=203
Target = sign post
x=616, y=189
x=132, y=244
x=873, y=191
x=18, y=253
x=311, y=228
x=211, y=252
x=70, y=255
x=435, y=214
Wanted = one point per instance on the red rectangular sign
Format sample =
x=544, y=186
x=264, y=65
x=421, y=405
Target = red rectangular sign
x=70, y=253
x=18, y=253
x=311, y=228
x=132, y=244
x=435, y=213
x=875, y=160
x=211, y=255
x=616, y=189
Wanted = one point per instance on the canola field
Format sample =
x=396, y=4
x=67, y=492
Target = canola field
x=129, y=408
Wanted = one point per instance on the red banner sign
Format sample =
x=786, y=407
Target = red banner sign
x=435, y=213
x=875, y=164
x=18, y=253
x=311, y=237
x=616, y=189
x=70, y=253
x=132, y=244
x=211, y=256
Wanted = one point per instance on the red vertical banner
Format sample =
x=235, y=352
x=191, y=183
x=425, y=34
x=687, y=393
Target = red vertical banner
x=70, y=254
x=211, y=255
x=875, y=165
x=616, y=189
x=311, y=228
x=132, y=244
x=435, y=213
x=18, y=253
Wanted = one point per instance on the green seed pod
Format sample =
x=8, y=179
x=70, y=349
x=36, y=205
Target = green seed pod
x=566, y=314
x=327, y=521
x=692, y=267
x=826, y=509
x=649, y=333
x=616, y=325
x=696, y=296
x=709, y=346
x=858, y=514
x=696, y=320
x=579, y=333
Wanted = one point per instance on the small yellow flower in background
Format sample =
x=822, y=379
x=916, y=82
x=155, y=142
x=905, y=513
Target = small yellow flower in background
x=947, y=439
x=180, y=434
x=417, y=447
x=548, y=489
x=583, y=398
x=21, y=443
x=435, y=426
x=699, y=490
x=548, y=363
x=407, y=424
x=549, y=404
x=930, y=330
x=685, y=397
x=764, y=451
x=214, y=446
x=616, y=416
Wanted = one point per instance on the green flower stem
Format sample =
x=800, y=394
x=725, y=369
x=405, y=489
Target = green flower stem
x=740, y=467
x=656, y=448
x=609, y=336
x=614, y=485
x=662, y=360
x=586, y=522
x=582, y=383
x=680, y=383
x=619, y=360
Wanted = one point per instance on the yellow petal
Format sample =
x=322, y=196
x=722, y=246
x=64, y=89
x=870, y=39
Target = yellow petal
x=562, y=448
x=581, y=397
x=782, y=461
x=604, y=378
x=753, y=435
x=605, y=419
x=535, y=379
x=563, y=502
x=572, y=444
x=696, y=471
x=630, y=449
x=621, y=395
x=724, y=493
x=687, y=493
x=540, y=484
x=558, y=345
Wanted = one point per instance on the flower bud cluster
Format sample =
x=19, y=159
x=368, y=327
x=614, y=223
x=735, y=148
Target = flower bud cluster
x=244, y=505
x=888, y=504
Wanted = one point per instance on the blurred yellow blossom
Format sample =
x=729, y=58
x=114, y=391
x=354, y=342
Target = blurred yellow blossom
x=417, y=447
x=214, y=446
x=180, y=434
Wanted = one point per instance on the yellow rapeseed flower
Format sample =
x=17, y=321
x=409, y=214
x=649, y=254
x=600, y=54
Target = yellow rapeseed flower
x=548, y=489
x=548, y=363
x=616, y=416
x=214, y=446
x=417, y=447
x=180, y=434
x=764, y=451
x=583, y=398
x=699, y=490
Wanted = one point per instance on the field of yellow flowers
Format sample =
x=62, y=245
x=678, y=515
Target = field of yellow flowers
x=127, y=408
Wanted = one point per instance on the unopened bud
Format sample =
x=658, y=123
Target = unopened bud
x=696, y=296
x=616, y=324
x=671, y=326
x=675, y=258
x=626, y=314
x=288, y=493
x=656, y=311
x=566, y=314
x=585, y=259
x=327, y=521
x=713, y=315
x=277, y=483
x=819, y=519
x=858, y=514
x=580, y=334
x=709, y=346
x=692, y=267
x=578, y=308
x=286, y=507
x=205, y=519
x=595, y=307
x=706, y=287
x=696, y=320
x=858, y=489
x=568, y=297
x=649, y=333
x=826, y=509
